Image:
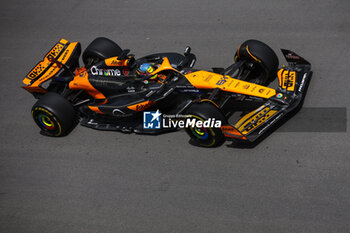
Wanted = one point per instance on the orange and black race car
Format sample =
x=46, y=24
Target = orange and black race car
x=115, y=91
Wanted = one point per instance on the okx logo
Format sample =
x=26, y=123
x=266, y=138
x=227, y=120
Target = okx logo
x=151, y=120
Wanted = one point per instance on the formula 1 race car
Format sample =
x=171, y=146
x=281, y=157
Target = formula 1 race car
x=114, y=91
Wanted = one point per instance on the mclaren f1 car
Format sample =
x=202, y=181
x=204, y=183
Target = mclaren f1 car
x=114, y=90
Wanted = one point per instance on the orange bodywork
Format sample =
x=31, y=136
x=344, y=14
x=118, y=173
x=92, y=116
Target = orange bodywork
x=113, y=61
x=164, y=66
x=209, y=80
x=81, y=82
x=141, y=106
x=286, y=79
x=253, y=119
x=95, y=109
x=232, y=132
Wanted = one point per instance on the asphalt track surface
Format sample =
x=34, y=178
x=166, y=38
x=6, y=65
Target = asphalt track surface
x=93, y=181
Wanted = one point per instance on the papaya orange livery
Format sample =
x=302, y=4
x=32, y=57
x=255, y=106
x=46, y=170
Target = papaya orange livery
x=95, y=109
x=141, y=106
x=165, y=65
x=113, y=61
x=253, y=119
x=287, y=79
x=208, y=80
x=49, y=66
x=163, y=92
x=81, y=82
x=232, y=132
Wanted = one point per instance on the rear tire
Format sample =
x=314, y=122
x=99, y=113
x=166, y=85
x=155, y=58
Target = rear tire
x=263, y=58
x=205, y=136
x=100, y=49
x=54, y=115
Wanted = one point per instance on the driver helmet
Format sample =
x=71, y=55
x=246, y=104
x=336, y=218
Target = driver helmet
x=146, y=69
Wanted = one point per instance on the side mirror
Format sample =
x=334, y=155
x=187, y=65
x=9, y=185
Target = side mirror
x=187, y=50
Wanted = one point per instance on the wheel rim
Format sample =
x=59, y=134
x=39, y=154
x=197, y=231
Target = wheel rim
x=200, y=133
x=46, y=121
x=204, y=136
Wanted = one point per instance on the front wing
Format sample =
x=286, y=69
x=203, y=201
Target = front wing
x=293, y=83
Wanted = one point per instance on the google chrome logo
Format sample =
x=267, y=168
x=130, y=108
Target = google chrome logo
x=279, y=95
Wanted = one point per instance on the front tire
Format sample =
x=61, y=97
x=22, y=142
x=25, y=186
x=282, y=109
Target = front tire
x=54, y=115
x=205, y=136
x=263, y=59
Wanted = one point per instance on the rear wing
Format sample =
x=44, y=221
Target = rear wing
x=293, y=82
x=62, y=54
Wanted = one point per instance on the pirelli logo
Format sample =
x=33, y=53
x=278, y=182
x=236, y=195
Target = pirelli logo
x=287, y=79
x=254, y=119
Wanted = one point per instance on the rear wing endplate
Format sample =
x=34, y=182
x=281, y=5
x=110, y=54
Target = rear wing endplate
x=60, y=54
